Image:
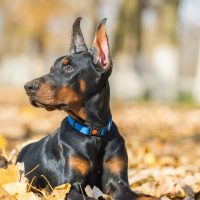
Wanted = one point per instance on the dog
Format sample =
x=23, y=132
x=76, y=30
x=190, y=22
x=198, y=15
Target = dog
x=87, y=149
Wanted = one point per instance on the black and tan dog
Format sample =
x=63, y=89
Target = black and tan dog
x=87, y=149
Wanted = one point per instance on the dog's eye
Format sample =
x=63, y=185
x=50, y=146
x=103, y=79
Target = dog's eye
x=68, y=69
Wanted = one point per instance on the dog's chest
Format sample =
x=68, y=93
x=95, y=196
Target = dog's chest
x=86, y=161
x=96, y=156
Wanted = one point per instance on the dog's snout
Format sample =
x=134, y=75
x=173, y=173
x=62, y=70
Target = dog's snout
x=32, y=86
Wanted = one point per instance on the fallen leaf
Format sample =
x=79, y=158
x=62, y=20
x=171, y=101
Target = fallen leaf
x=88, y=191
x=15, y=188
x=28, y=196
x=21, y=168
x=4, y=195
x=59, y=192
x=95, y=192
x=9, y=175
x=3, y=142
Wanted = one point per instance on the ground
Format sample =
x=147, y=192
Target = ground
x=162, y=142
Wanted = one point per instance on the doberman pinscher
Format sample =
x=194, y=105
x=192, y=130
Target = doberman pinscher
x=87, y=149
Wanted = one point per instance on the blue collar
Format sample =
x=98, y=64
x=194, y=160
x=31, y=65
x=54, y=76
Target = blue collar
x=89, y=130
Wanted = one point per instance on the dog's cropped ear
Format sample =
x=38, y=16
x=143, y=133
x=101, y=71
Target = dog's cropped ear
x=100, y=48
x=77, y=40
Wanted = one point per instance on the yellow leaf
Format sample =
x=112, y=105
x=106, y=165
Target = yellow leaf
x=150, y=159
x=59, y=192
x=9, y=175
x=106, y=197
x=27, y=196
x=65, y=186
x=3, y=142
x=5, y=195
x=88, y=191
x=15, y=188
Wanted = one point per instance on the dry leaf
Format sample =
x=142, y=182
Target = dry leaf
x=96, y=193
x=3, y=142
x=5, y=195
x=9, y=175
x=21, y=168
x=164, y=198
x=106, y=197
x=15, y=188
x=59, y=192
x=88, y=191
x=27, y=196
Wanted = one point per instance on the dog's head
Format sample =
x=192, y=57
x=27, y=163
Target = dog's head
x=75, y=77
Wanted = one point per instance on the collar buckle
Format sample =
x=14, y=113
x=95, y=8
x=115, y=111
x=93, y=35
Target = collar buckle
x=95, y=131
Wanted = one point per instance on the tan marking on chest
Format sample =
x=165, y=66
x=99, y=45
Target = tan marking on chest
x=79, y=164
x=115, y=165
x=82, y=85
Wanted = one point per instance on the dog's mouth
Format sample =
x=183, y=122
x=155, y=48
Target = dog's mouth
x=49, y=107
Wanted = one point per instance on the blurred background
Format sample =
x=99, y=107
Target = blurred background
x=155, y=43
x=155, y=83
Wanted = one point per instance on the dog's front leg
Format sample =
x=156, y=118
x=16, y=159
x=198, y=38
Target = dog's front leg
x=115, y=176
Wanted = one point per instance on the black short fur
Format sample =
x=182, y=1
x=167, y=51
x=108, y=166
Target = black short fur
x=78, y=84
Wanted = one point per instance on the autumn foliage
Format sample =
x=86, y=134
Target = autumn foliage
x=162, y=143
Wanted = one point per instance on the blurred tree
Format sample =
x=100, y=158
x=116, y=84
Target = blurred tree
x=27, y=20
x=126, y=47
x=94, y=15
x=129, y=31
x=127, y=27
x=168, y=12
x=144, y=25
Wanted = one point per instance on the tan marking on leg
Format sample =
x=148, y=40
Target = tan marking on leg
x=116, y=164
x=80, y=164
x=82, y=85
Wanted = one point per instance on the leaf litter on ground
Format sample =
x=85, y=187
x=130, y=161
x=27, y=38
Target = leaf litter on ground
x=162, y=144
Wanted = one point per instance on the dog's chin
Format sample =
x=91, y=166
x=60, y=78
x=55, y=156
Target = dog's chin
x=48, y=107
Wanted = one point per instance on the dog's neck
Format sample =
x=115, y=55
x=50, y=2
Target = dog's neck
x=96, y=109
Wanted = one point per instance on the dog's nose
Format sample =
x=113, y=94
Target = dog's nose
x=32, y=86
